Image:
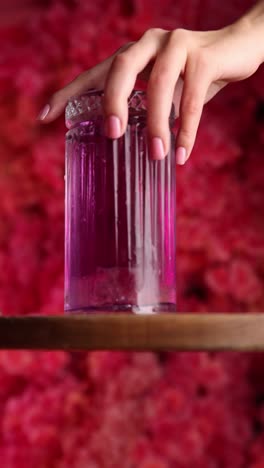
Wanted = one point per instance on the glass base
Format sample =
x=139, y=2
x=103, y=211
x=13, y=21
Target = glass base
x=126, y=308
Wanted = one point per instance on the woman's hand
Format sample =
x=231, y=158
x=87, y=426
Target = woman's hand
x=181, y=66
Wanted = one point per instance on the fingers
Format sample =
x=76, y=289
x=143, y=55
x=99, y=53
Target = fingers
x=196, y=84
x=121, y=79
x=117, y=75
x=170, y=53
x=93, y=78
x=160, y=92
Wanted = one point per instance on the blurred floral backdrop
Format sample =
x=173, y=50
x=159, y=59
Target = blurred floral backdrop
x=128, y=410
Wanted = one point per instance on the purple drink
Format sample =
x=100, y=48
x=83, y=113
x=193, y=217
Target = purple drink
x=119, y=215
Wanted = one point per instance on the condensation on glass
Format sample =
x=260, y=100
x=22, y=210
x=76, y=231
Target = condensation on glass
x=119, y=214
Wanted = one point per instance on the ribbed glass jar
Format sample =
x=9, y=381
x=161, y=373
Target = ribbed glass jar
x=120, y=214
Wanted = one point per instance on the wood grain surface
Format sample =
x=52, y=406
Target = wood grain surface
x=121, y=331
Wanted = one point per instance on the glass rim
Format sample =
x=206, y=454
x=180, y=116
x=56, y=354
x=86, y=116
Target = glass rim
x=100, y=92
x=87, y=105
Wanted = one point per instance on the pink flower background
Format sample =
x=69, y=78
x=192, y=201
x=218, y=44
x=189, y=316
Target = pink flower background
x=128, y=410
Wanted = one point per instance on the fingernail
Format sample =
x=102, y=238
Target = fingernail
x=181, y=155
x=113, y=127
x=43, y=114
x=157, y=149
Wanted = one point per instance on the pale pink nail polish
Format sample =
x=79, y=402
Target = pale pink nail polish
x=181, y=155
x=113, y=127
x=157, y=149
x=43, y=114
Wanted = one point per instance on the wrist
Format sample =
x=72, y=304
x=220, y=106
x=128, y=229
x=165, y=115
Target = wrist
x=252, y=26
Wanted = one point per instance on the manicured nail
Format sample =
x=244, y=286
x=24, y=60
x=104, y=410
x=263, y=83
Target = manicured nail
x=157, y=149
x=181, y=155
x=43, y=114
x=112, y=127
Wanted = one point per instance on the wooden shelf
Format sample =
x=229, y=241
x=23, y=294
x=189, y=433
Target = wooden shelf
x=121, y=331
